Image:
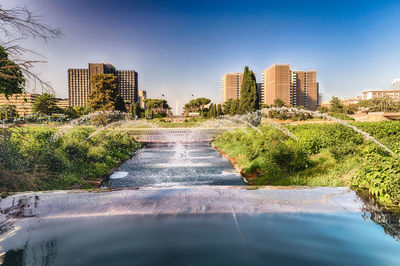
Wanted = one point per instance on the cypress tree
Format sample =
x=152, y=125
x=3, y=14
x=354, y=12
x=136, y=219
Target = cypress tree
x=249, y=101
x=219, y=110
x=234, y=107
x=214, y=111
x=136, y=110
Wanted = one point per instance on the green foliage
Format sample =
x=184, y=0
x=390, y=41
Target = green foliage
x=43, y=158
x=385, y=104
x=270, y=154
x=196, y=105
x=379, y=177
x=136, y=112
x=8, y=111
x=45, y=104
x=336, y=105
x=104, y=95
x=249, y=101
x=278, y=103
x=235, y=108
x=12, y=80
x=227, y=106
x=341, y=116
x=219, y=110
x=156, y=108
x=323, y=109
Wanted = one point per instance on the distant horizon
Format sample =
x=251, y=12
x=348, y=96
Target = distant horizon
x=180, y=48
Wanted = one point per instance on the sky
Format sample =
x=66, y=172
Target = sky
x=182, y=48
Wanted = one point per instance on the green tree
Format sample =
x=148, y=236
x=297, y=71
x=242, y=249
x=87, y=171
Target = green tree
x=156, y=108
x=8, y=111
x=219, y=110
x=136, y=110
x=234, y=107
x=45, y=104
x=11, y=78
x=249, y=101
x=278, y=103
x=336, y=105
x=227, y=106
x=104, y=95
x=322, y=109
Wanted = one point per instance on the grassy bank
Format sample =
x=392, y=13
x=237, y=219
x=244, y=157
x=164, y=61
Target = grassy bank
x=43, y=158
x=323, y=155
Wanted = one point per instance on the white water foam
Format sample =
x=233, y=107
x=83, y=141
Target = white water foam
x=119, y=174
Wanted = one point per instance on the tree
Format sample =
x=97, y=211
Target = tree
x=104, y=95
x=8, y=111
x=249, y=101
x=278, y=103
x=45, y=104
x=11, y=77
x=19, y=24
x=156, y=107
x=227, y=106
x=219, y=110
x=234, y=107
x=136, y=110
x=322, y=109
x=336, y=105
x=202, y=102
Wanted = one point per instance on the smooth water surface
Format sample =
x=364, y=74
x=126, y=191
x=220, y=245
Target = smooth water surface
x=176, y=164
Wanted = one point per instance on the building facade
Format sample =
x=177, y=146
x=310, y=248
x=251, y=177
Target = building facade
x=231, y=83
x=128, y=84
x=371, y=94
x=79, y=85
x=294, y=87
x=22, y=102
x=142, y=95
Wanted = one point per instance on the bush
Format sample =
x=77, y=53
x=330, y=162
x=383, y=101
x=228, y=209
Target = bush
x=42, y=158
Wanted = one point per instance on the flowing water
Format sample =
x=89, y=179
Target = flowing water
x=176, y=164
x=183, y=204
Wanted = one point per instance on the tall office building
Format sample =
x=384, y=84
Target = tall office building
x=79, y=85
x=231, y=83
x=295, y=88
x=128, y=85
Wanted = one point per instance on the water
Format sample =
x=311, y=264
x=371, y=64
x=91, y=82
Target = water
x=176, y=164
x=198, y=225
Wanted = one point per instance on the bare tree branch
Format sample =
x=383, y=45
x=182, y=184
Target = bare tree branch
x=19, y=24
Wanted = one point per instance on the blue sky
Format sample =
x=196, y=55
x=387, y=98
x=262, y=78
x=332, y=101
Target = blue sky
x=180, y=48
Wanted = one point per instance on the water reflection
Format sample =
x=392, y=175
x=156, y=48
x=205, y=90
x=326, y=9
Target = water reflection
x=389, y=221
x=41, y=254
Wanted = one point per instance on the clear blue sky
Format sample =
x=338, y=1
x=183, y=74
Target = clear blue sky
x=180, y=48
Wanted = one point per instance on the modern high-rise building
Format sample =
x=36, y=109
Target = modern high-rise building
x=277, y=84
x=295, y=88
x=231, y=83
x=305, y=88
x=79, y=85
x=128, y=85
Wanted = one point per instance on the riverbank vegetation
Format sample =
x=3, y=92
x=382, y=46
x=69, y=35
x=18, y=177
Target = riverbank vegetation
x=43, y=158
x=322, y=155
